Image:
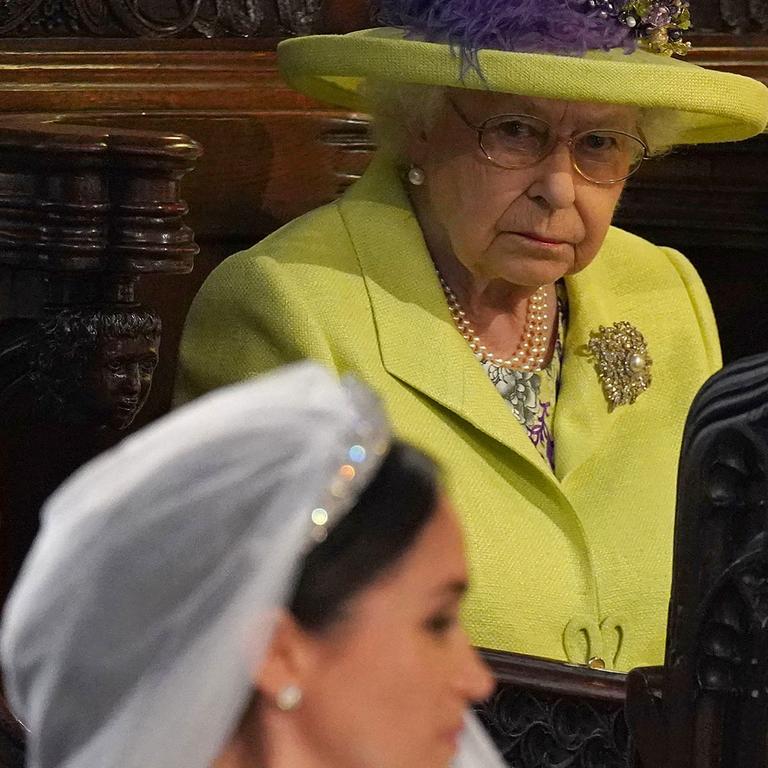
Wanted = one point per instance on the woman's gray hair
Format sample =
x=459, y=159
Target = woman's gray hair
x=659, y=127
x=401, y=112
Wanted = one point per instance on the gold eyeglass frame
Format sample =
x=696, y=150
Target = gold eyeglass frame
x=553, y=143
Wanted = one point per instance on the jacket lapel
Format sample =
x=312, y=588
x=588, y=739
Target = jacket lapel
x=582, y=420
x=581, y=416
x=418, y=341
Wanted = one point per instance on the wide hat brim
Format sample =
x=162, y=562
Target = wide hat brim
x=707, y=106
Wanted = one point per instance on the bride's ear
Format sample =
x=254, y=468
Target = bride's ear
x=287, y=664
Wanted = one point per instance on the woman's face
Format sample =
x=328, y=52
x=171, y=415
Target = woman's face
x=390, y=683
x=495, y=221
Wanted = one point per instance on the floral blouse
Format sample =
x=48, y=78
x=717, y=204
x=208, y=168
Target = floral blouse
x=532, y=395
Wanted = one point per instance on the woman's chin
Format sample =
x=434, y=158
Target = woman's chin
x=534, y=266
x=537, y=275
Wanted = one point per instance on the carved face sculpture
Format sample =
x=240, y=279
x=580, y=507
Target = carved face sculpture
x=95, y=367
x=119, y=378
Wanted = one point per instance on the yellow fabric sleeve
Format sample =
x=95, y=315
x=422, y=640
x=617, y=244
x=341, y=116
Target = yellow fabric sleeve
x=246, y=320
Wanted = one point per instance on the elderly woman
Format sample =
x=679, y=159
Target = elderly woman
x=264, y=578
x=473, y=278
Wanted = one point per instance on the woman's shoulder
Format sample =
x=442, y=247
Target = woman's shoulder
x=624, y=253
x=633, y=270
x=316, y=238
x=618, y=242
x=308, y=257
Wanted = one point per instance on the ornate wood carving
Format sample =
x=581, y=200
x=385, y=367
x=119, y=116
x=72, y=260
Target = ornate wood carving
x=544, y=713
x=744, y=16
x=159, y=18
x=265, y=18
x=95, y=365
x=711, y=708
x=83, y=213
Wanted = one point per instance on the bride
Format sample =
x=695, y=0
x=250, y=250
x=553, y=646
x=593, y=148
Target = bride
x=263, y=578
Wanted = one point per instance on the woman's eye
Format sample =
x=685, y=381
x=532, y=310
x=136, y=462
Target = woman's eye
x=512, y=127
x=597, y=142
x=440, y=623
x=515, y=129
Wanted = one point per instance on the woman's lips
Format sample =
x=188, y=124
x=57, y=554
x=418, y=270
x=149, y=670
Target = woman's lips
x=539, y=238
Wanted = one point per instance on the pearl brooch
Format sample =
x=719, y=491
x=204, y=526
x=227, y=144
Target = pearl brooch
x=531, y=351
x=621, y=360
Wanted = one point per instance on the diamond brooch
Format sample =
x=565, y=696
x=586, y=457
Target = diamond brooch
x=620, y=356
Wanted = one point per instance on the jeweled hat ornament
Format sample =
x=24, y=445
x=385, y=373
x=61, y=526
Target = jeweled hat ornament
x=658, y=26
x=568, y=27
x=605, y=51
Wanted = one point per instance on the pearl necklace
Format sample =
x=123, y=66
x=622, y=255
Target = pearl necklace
x=532, y=348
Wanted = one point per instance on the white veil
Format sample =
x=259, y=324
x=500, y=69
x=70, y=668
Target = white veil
x=150, y=592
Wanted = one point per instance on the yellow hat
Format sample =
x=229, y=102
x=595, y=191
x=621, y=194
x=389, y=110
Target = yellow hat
x=706, y=106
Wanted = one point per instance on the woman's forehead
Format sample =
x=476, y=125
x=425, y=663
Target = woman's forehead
x=553, y=110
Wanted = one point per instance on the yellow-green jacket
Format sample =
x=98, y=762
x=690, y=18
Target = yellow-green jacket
x=571, y=565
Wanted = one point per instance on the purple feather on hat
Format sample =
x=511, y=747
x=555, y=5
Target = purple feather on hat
x=566, y=27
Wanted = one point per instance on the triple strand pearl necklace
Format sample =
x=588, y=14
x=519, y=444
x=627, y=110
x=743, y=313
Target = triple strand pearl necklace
x=532, y=348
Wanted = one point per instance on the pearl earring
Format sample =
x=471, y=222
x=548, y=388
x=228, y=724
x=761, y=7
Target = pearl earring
x=288, y=698
x=416, y=175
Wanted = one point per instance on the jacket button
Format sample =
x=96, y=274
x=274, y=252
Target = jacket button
x=596, y=662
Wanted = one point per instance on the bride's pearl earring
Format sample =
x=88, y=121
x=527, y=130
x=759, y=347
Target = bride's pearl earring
x=288, y=698
x=416, y=176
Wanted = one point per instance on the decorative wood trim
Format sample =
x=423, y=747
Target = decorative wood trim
x=226, y=19
x=550, y=713
x=231, y=76
x=547, y=676
x=84, y=212
x=160, y=19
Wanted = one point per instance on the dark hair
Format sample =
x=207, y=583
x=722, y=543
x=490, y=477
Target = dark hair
x=371, y=537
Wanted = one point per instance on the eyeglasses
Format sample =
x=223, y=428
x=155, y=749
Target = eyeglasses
x=521, y=141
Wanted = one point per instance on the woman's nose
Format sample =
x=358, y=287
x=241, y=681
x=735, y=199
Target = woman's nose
x=554, y=182
x=475, y=681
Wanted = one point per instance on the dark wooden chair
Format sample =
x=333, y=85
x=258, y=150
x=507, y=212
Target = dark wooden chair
x=85, y=212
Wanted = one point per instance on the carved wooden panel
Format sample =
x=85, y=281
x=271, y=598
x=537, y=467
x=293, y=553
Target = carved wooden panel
x=265, y=18
x=158, y=18
x=712, y=706
x=85, y=212
x=544, y=713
